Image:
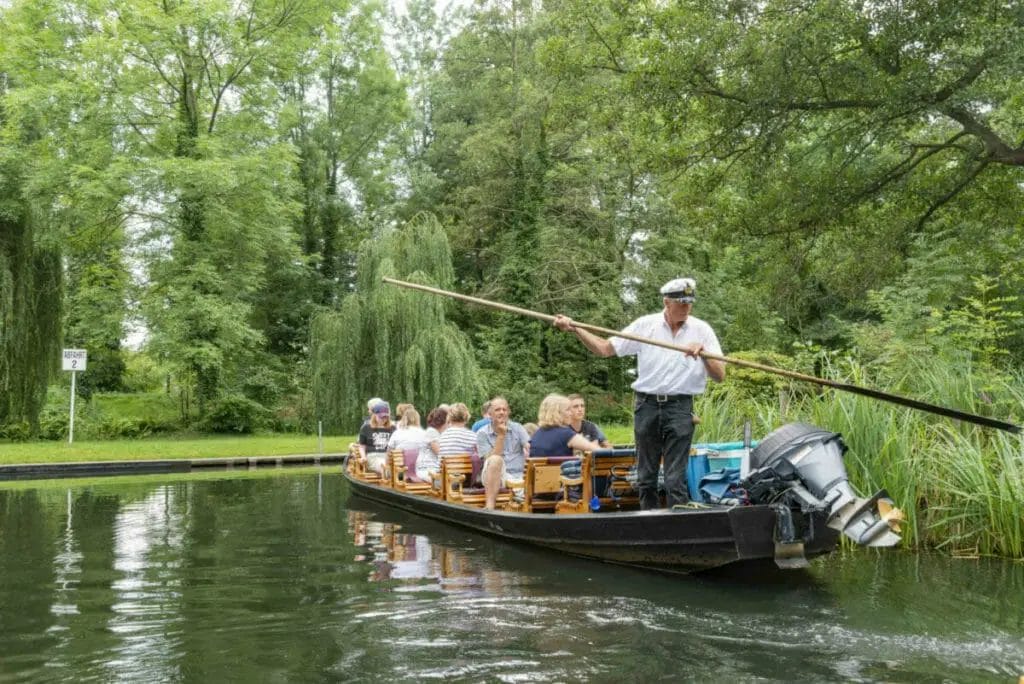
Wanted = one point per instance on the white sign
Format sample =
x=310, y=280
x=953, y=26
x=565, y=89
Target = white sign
x=74, y=359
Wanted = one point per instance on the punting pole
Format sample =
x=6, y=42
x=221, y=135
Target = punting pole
x=843, y=386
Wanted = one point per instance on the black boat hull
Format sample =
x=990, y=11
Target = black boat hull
x=674, y=541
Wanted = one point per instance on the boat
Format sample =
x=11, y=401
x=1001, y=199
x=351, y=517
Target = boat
x=791, y=504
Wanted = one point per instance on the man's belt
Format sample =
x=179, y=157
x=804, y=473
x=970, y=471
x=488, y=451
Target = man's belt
x=664, y=398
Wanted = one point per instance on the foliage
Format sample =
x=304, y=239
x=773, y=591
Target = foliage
x=31, y=277
x=388, y=341
x=982, y=325
x=235, y=413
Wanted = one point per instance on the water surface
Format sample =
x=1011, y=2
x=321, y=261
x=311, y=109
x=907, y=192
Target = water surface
x=282, y=576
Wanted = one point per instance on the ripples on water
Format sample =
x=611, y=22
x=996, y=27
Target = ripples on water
x=284, y=577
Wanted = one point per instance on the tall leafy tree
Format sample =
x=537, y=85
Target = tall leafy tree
x=41, y=167
x=824, y=138
x=391, y=342
x=196, y=91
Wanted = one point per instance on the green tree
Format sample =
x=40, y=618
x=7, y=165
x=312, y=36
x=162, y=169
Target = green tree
x=392, y=342
x=195, y=87
x=35, y=178
x=822, y=139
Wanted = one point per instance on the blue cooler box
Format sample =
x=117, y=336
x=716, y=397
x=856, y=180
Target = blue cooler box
x=705, y=458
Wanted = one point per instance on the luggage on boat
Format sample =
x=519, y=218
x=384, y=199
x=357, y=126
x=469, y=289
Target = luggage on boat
x=722, y=486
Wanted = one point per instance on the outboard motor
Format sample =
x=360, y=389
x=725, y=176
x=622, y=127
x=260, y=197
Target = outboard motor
x=800, y=465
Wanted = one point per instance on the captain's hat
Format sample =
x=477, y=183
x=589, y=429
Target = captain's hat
x=680, y=289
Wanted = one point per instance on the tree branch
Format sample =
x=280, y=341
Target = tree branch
x=998, y=150
x=956, y=190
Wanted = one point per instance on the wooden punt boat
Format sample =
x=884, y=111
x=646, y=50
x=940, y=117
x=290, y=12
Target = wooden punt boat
x=677, y=541
x=788, y=530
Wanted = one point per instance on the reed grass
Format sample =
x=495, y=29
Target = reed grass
x=980, y=495
x=960, y=486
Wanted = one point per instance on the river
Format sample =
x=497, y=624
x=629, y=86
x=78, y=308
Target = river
x=273, y=576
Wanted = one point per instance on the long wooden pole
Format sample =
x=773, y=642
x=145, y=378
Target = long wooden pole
x=846, y=387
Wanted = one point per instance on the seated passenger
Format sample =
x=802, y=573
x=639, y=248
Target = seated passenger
x=578, y=421
x=457, y=438
x=409, y=435
x=369, y=409
x=531, y=429
x=505, y=446
x=374, y=436
x=485, y=417
x=400, y=413
x=556, y=437
x=429, y=460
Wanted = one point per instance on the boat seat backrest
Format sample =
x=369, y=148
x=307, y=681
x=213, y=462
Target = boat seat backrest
x=547, y=488
x=610, y=480
x=457, y=471
x=403, y=476
x=357, y=465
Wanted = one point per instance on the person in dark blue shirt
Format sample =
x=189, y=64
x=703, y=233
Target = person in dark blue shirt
x=578, y=421
x=485, y=417
x=555, y=437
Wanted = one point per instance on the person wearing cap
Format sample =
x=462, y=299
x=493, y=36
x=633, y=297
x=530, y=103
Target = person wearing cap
x=374, y=436
x=369, y=409
x=665, y=385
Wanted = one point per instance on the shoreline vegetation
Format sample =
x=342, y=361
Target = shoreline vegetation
x=847, y=207
x=962, y=488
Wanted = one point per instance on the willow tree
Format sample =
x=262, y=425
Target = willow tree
x=31, y=175
x=31, y=283
x=391, y=342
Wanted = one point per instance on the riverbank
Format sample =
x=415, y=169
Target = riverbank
x=196, y=447
x=191, y=447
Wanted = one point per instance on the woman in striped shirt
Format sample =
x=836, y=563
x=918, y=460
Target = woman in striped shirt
x=457, y=438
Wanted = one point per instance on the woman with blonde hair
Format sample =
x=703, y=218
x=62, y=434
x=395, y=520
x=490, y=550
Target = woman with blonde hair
x=457, y=438
x=400, y=413
x=555, y=437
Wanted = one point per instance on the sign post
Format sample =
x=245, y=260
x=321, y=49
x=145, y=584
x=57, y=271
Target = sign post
x=73, y=360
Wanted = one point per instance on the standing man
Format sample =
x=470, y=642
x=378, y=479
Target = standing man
x=504, y=445
x=665, y=385
x=578, y=421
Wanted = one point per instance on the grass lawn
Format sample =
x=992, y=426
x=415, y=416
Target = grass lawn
x=197, y=447
x=158, y=448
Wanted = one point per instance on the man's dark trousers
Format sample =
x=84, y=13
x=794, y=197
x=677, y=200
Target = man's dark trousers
x=662, y=428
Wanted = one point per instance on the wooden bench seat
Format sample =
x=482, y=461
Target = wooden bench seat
x=609, y=473
x=357, y=466
x=543, y=481
x=403, y=472
x=456, y=472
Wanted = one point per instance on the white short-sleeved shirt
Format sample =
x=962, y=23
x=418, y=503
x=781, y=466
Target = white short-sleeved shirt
x=428, y=461
x=408, y=438
x=666, y=371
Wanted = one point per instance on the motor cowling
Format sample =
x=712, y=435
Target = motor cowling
x=802, y=465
